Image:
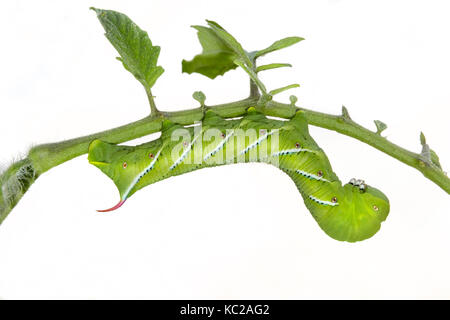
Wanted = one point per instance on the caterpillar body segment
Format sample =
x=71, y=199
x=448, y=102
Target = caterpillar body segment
x=350, y=212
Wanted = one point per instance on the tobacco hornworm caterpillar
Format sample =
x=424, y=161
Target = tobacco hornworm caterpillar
x=352, y=212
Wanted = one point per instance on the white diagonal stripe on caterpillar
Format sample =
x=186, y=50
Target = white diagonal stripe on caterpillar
x=311, y=176
x=291, y=151
x=257, y=142
x=220, y=146
x=143, y=173
x=307, y=174
x=326, y=203
x=184, y=154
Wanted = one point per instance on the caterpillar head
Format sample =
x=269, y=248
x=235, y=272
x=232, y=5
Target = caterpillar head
x=373, y=201
x=372, y=197
x=359, y=212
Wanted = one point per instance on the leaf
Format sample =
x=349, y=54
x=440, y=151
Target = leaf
x=272, y=66
x=137, y=53
x=381, y=126
x=279, y=90
x=231, y=42
x=210, y=66
x=216, y=58
x=252, y=75
x=277, y=45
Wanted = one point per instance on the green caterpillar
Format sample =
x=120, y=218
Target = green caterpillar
x=352, y=212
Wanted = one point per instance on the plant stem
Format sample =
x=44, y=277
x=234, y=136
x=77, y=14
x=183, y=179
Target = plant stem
x=47, y=156
x=44, y=157
x=254, y=91
x=153, y=110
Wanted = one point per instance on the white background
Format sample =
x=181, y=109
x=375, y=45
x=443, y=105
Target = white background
x=238, y=231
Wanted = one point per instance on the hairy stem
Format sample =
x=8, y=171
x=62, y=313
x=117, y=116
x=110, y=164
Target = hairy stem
x=44, y=157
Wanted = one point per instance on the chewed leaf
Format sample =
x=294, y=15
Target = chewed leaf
x=137, y=53
x=220, y=49
x=277, y=45
x=216, y=58
x=210, y=66
x=231, y=42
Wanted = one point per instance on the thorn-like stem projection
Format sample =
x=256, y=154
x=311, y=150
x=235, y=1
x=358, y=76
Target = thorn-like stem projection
x=380, y=126
x=345, y=114
x=425, y=154
x=44, y=157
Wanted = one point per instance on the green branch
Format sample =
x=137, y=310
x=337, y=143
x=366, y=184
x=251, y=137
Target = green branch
x=47, y=156
x=20, y=175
